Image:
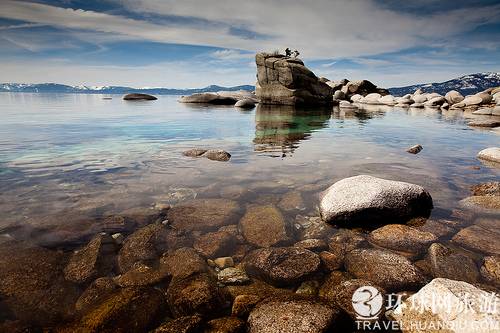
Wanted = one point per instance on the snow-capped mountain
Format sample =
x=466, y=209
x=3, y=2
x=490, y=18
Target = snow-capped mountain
x=61, y=88
x=466, y=85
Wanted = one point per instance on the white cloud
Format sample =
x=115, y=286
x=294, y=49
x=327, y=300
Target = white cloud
x=319, y=29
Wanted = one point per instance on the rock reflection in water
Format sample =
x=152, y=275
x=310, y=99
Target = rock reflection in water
x=280, y=128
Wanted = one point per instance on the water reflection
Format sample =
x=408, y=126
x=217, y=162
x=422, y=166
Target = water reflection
x=279, y=129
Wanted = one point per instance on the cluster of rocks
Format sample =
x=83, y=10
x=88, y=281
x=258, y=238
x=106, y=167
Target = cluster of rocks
x=488, y=99
x=241, y=99
x=211, y=265
x=212, y=154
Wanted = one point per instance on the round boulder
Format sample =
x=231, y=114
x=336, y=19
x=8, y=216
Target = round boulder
x=366, y=198
x=453, y=97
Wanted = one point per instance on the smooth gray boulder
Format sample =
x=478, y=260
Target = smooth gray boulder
x=208, y=98
x=462, y=308
x=286, y=81
x=370, y=199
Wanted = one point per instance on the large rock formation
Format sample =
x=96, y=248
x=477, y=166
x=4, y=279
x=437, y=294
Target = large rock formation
x=285, y=80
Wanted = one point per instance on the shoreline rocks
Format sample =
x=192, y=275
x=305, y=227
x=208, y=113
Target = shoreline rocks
x=491, y=154
x=366, y=198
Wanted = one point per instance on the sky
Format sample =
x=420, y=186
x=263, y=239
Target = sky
x=195, y=43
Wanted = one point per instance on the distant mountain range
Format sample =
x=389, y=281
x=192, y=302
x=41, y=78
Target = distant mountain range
x=466, y=85
x=61, y=88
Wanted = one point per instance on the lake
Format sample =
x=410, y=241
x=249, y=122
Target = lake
x=68, y=161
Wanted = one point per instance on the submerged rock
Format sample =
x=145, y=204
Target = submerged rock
x=291, y=316
x=128, y=310
x=389, y=270
x=233, y=275
x=203, y=214
x=32, y=284
x=147, y=244
x=490, y=269
x=186, y=324
x=459, y=295
x=97, y=292
x=215, y=244
x=225, y=325
x=366, y=198
x=183, y=263
x=447, y=263
x=139, y=97
x=264, y=226
x=342, y=295
x=402, y=238
x=96, y=259
x=195, y=294
x=479, y=239
x=283, y=265
x=284, y=80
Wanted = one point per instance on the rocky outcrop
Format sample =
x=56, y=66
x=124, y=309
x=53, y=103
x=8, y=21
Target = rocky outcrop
x=284, y=80
x=462, y=309
x=366, y=198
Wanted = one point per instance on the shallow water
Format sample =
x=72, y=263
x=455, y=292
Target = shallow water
x=86, y=154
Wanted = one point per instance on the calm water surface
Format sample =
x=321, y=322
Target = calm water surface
x=82, y=155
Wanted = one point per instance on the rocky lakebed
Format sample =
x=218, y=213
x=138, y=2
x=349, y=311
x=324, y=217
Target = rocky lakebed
x=271, y=232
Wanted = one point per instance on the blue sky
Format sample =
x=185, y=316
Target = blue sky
x=194, y=43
